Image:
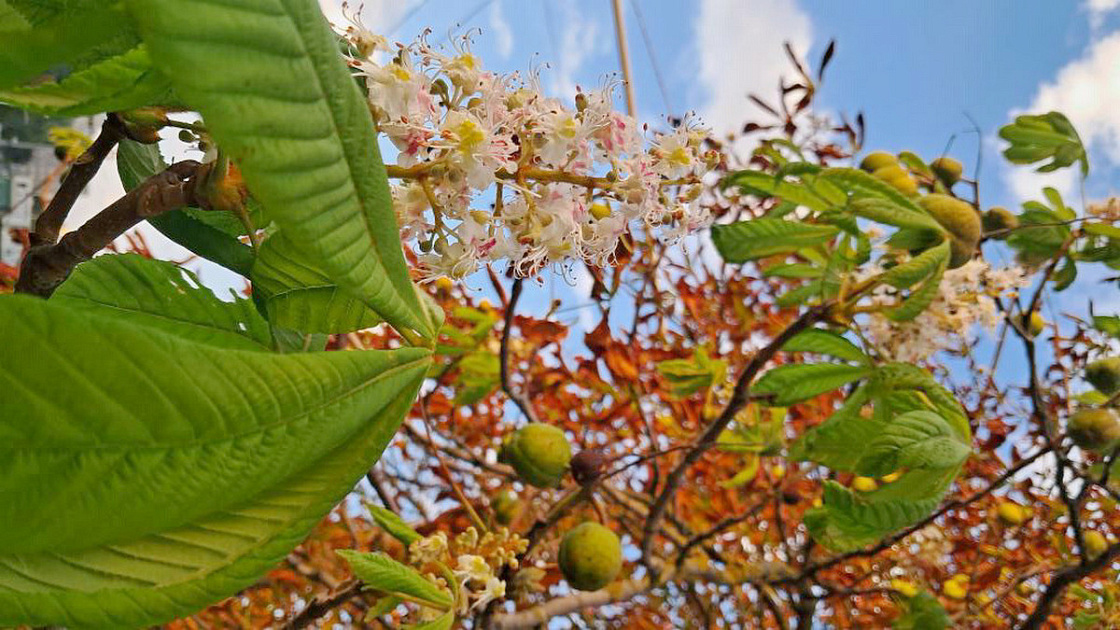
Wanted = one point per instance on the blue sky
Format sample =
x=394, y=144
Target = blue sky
x=914, y=68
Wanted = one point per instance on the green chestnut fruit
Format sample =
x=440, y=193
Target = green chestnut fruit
x=1104, y=374
x=1094, y=429
x=539, y=453
x=897, y=177
x=960, y=220
x=999, y=219
x=948, y=170
x=877, y=160
x=590, y=556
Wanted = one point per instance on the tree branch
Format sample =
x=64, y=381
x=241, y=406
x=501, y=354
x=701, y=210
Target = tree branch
x=739, y=398
x=323, y=605
x=518, y=399
x=48, y=265
x=1062, y=579
x=81, y=172
x=617, y=592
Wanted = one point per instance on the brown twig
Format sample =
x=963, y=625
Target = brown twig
x=81, y=172
x=48, y=265
x=321, y=606
x=518, y=399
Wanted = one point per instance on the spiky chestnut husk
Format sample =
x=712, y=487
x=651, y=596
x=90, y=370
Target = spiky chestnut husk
x=1094, y=429
x=1104, y=374
x=539, y=452
x=877, y=160
x=960, y=220
x=898, y=178
x=948, y=170
x=590, y=556
x=999, y=219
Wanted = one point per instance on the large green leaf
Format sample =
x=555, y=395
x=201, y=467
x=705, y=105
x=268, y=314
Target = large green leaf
x=757, y=238
x=165, y=296
x=794, y=382
x=825, y=342
x=144, y=475
x=121, y=82
x=188, y=227
x=277, y=96
x=299, y=296
x=11, y=19
x=61, y=37
x=916, y=439
x=846, y=522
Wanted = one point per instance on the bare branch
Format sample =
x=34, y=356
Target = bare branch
x=321, y=606
x=1061, y=580
x=518, y=399
x=81, y=172
x=48, y=265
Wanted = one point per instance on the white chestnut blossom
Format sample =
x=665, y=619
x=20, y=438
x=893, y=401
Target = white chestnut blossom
x=492, y=170
x=966, y=301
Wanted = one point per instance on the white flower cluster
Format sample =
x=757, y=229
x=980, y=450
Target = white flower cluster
x=567, y=183
x=967, y=299
x=475, y=562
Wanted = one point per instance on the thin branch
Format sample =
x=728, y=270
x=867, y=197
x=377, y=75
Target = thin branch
x=617, y=592
x=739, y=398
x=518, y=399
x=1062, y=579
x=81, y=172
x=321, y=606
x=48, y=265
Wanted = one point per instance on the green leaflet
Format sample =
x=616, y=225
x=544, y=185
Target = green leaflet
x=794, y=382
x=767, y=185
x=380, y=572
x=135, y=163
x=276, y=95
x=916, y=439
x=921, y=297
x=863, y=184
x=915, y=427
x=825, y=342
x=685, y=377
x=888, y=212
x=298, y=296
x=918, y=268
x=118, y=83
x=393, y=524
x=847, y=522
x=61, y=37
x=10, y=19
x=922, y=612
x=135, y=289
x=757, y=238
x=145, y=475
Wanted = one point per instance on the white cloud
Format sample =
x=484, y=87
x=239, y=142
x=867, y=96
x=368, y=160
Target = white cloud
x=577, y=43
x=377, y=15
x=1098, y=9
x=500, y=29
x=1086, y=90
x=740, y=49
